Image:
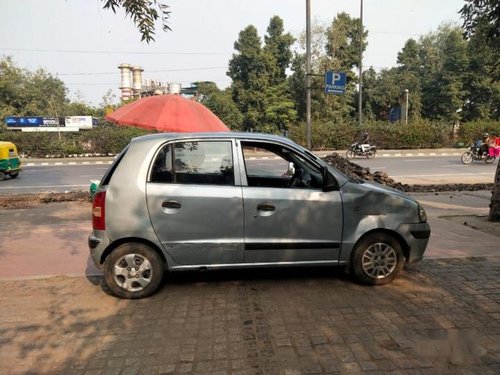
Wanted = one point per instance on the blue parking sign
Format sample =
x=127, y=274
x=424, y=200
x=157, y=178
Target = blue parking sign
x=335, y=82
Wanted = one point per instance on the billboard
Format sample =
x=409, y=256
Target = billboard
x=39, y=123
x=81, y=122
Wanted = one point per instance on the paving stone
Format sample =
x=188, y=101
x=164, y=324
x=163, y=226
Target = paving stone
x=440, y=317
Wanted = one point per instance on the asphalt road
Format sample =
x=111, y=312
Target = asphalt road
x=63, y=177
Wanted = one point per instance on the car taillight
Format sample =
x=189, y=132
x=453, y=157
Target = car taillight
x=98, y=211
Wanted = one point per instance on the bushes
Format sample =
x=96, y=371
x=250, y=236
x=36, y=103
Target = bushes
x=111, y=139
x=471, y=131
x=102, y=140
x=418, y=134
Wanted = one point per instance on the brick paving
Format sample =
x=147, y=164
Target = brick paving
x=441, y=317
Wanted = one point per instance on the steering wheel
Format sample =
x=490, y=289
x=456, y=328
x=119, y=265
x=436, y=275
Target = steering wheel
x=300, y=179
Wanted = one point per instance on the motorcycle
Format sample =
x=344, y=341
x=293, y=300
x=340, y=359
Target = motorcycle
x=475, y=154
x=361, y=149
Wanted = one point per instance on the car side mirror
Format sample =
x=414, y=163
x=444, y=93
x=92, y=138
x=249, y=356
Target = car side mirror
x=329, y=181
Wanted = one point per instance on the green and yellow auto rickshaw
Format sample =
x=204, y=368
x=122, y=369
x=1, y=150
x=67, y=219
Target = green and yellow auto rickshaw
x=10, y=165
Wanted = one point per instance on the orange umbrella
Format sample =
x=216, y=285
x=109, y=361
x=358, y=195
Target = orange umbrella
x=168, y=113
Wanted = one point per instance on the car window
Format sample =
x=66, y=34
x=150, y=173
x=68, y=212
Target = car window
x=273, y=165
x=205, y=162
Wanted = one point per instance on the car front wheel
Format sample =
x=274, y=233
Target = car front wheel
x=133, y=270
x=377, y=259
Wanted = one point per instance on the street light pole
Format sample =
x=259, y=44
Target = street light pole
x=308, y=73
x=360, y=100
x=406, y=106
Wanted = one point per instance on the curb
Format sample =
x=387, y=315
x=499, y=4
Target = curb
x=107, y=161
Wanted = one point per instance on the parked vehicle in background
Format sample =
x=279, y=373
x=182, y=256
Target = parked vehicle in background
x=362, y=150
x=187, y=201
x=476, y=153
x=10, y=164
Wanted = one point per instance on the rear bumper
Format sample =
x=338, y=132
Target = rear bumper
x=97, y=245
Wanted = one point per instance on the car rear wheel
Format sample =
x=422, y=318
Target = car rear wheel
x=377, y=259
x=133, y=270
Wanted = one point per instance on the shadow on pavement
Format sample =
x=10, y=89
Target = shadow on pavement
x=441, y=316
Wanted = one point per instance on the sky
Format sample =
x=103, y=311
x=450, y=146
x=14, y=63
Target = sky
x=83, y=44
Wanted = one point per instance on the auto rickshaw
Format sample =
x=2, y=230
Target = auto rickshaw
x=10, y=165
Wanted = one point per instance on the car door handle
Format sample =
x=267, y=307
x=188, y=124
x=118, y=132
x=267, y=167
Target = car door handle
x=171, y=204
x=266, y=207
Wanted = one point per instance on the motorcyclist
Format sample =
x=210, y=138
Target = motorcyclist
x=364, y=144
x=483, y=149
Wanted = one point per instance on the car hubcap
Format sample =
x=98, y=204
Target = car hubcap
x=133, y=272
x=379, y=260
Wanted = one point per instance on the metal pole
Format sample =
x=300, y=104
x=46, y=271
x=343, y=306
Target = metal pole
x=308, y=72
x=406, y=106
x=360, y=101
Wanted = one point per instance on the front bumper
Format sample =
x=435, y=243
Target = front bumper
x=417, y=237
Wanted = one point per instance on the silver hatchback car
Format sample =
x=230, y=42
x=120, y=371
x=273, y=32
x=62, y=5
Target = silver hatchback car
x=231, y=200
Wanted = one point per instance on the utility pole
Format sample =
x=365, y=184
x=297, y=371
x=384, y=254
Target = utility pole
x=360, y=100
x=308, y=72
x=406, y=105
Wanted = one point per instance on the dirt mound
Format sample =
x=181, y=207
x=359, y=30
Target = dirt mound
x=15, y=201
x=354, y=170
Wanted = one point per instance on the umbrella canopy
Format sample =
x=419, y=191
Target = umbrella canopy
x=168, y=113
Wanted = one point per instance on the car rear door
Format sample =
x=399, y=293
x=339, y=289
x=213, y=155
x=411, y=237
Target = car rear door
x=195, y=207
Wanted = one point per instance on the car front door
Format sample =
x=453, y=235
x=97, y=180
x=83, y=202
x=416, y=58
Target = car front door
x=287, y=218
x=195, y=207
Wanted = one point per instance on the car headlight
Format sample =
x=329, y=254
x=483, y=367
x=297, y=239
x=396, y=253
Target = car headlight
x=421, y=214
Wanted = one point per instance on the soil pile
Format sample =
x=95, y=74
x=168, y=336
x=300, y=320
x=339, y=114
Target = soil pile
x=354, y=170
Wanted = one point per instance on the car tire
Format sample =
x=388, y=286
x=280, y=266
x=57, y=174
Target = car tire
x=377, y=259
x=350, y=154
x=133, y=270
x=467, y=158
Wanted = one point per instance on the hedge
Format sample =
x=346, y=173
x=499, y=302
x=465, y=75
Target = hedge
x=110, y=139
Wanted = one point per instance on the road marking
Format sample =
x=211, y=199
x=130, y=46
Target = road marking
x=42, y=187
x=442, y=175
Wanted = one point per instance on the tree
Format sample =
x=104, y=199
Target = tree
x=258, y=73
x=279, y=46
x=220, y=103
x=144, y=14
x=482, y=21
x=24, y=93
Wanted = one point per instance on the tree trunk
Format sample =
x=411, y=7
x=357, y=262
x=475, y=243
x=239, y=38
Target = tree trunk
x=495, y=198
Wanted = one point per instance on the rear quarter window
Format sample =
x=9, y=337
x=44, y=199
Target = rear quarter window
x=109, y=173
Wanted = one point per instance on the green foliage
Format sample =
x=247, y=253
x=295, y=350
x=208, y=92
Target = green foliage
x=221, y=104
x=472, y=131
x=258, y=75
x=144, y=14
x=104, y=139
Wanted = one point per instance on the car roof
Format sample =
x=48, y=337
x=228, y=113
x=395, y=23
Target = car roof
x=162, y=137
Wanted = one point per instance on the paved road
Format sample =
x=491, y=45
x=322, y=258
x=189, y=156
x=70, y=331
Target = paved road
x=408, y=168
